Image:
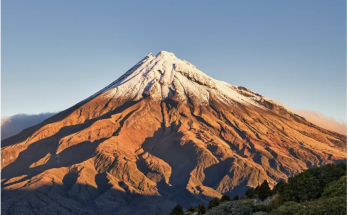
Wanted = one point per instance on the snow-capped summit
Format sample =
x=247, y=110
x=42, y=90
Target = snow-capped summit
x=165, y=75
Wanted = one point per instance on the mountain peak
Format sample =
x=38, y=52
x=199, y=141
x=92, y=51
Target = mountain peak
x=166, y=54
x=164, y=75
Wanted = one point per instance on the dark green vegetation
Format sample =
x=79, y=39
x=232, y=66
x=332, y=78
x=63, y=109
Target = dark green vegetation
x=316, y=191
x=177, y=210
x=262, y=192
x=225, y=198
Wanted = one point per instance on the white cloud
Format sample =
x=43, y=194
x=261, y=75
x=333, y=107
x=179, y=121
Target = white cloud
x=14, y=124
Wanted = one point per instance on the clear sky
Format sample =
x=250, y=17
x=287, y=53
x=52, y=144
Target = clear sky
x=56, y=53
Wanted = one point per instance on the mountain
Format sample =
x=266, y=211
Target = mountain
x=161, y=134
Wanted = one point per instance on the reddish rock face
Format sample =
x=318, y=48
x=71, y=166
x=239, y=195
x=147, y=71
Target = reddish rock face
x=163, y=133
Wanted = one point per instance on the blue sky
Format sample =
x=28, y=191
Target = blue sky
x=56, y=53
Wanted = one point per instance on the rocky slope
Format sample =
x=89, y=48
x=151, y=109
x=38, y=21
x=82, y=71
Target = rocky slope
x=161, y=134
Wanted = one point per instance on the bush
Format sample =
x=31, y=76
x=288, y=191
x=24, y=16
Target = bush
x=249, y=202
x=274, y=203
x=260, y=207
x=336, y=188
x=231, y=207
x=335, y=205
x=235, y=198
x=288, y=208
x=259, y=213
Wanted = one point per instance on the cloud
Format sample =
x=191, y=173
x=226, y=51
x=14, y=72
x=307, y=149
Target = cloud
x=319, y=119
x=4, y=120
x=14, y=124
x=323, y=121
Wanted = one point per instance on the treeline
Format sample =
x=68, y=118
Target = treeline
x=316, y=191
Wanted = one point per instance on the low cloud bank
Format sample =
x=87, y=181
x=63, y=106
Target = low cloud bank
x=319, y=119
x=14, y=124
x=323, y=121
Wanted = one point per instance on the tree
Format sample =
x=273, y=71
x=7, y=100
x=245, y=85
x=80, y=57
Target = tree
x=249, y=193
x=191, y=209
x=236, y=198
x=213, y=203
x=256, y=190
x=177, y=210
x=225, y=198
x=278, y=187
x=201, y=209
x=264, y=191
